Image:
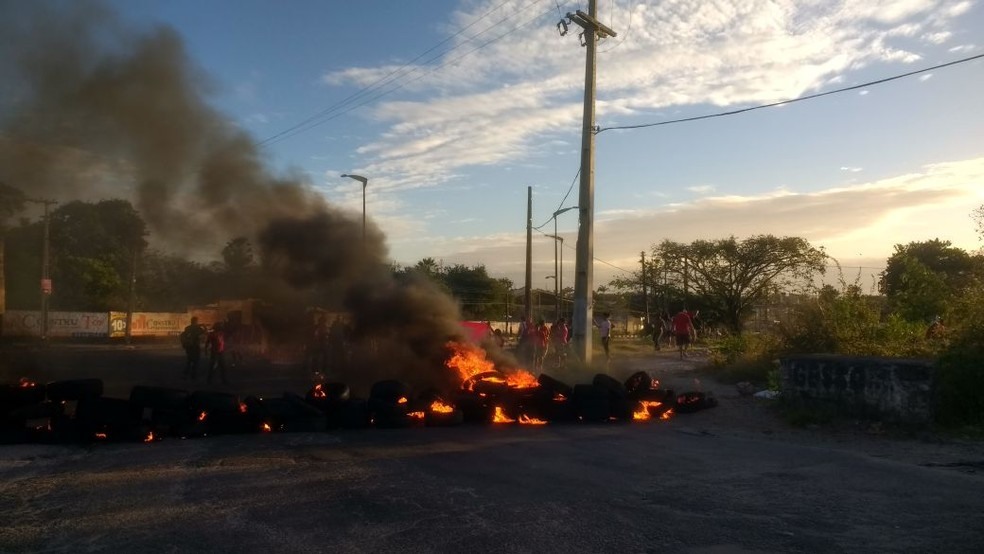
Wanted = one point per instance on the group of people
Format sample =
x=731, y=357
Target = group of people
x=215, y=342
x=678, y=330
x=541, y=344
x=327, y=345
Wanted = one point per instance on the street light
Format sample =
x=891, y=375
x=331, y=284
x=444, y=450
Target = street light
x=45, y=276
x=364, y=182
x=559, y=271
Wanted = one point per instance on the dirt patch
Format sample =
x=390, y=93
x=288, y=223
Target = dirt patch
x=749, y=417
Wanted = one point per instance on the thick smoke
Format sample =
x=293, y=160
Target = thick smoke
x=100, y=110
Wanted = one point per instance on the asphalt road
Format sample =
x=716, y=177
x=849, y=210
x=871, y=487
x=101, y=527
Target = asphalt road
x=673, y=486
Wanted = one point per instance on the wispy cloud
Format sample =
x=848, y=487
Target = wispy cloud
x=512, y=98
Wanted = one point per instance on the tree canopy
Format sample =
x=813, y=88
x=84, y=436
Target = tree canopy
x=730, y=275
x=920, y=277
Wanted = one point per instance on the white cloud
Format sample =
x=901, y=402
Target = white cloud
x=512, y=98
x=926, y=77
x=701, y=189
x=851, y=169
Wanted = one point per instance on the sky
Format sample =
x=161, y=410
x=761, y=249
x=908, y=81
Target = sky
x=452, y=109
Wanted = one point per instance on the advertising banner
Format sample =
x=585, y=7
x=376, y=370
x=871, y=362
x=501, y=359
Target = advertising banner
x=17, y=323
x=157, y=324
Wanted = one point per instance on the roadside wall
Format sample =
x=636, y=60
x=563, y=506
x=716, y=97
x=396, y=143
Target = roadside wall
x=892, y=389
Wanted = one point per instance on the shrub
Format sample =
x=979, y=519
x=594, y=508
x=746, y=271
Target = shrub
x=960, y=368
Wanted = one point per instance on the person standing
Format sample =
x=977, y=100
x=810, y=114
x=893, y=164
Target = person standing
x=215, y=346
x=191, y=341
x=605, y=331
x=683, y=330
x=541, y=342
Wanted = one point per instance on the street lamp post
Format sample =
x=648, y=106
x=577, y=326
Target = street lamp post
x=45, y=276
x=364, y=182
x=559, y=271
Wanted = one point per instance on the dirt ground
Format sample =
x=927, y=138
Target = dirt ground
x=750, y=417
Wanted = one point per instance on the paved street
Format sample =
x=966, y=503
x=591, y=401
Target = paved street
x=691, y=484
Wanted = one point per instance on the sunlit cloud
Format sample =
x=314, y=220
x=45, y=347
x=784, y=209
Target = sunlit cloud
x=861, y=221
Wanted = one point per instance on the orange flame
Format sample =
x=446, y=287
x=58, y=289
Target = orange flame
x=318, y=391
x=26, y=383
x=559, y=397
x=500, y=416
x=266, y=428
x=243, y=408
x=202, y=416
x=527, y=420
x=441, y=408
x=402, y=400
x=100, y=435
x=416, y=415
x=643, y=413
x=468, y=360
x=522, y=380
x=150, y=437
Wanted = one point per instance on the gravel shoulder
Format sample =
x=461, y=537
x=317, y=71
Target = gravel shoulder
x=750, y=417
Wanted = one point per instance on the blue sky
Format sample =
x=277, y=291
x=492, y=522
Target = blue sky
x=450, y=154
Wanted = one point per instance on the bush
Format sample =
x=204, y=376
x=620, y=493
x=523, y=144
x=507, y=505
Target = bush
x=744, y=358
x=960, y=368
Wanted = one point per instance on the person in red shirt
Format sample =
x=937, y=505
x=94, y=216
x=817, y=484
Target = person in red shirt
x=215, y=345
x=683, y=330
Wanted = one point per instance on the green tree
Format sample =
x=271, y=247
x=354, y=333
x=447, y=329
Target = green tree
x=921, y=277
x=238, y=254
x=94, y=252
x=730, y=276
x=11, y=202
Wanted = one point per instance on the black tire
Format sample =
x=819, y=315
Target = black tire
x=74, y=389
x=474, y=408
x=554, y=386
x=390, y=391
x=616, y=390
x=355, y=414
x=689, y=402
x=157, y=398
x=444, y=419
x=591, y=403
x=337, y=392
x=638, y=383
x=13, y=396
x=622, y=409
x=213, y=402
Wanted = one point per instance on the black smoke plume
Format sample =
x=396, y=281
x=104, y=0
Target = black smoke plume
x=95, y=109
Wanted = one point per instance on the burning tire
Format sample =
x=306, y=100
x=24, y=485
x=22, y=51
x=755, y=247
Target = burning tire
x=74, y=389
x=14, y=396
x=390, y=391
x=638, y=383
x=694, y=401
x=444, y=419
x=474, y=408
x=591, y=403
x=554, y=386
x=108, y=419
x=223, y=413
x=287, y=414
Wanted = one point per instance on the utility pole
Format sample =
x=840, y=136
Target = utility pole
x=584, y=260
x=45, y=262
x=528, y=293
x=645, y=292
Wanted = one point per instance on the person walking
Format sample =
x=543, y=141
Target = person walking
x=605, y=332
x=683, y=330
x=215, y=346
x=191, y=341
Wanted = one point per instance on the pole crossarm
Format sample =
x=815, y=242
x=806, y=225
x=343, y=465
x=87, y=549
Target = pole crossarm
x=589, y=23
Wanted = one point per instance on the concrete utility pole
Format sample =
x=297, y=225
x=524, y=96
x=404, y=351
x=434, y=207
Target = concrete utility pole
x=45, y=257
x=584, y=260
x=645, y=291
x=528, y=293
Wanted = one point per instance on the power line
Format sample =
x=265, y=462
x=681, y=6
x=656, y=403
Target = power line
x=563, y=200
x=783, y=102
x=340, y=107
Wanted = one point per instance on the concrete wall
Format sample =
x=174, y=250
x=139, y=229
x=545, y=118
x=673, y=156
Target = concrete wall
x=887, y=388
